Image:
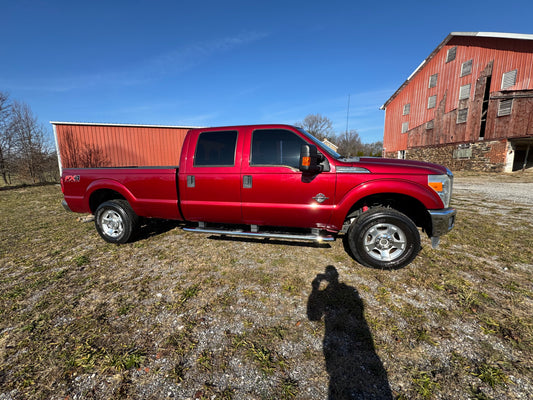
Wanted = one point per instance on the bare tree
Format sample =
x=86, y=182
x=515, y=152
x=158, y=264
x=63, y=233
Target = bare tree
x=6, y=138
x=29, y=142
x=317, y=125
x=25, y=151
x=51, y=167
x=350, y=144
x=373, y=149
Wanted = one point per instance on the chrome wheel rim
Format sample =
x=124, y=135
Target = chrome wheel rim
x=112, y=224
x=384, y=242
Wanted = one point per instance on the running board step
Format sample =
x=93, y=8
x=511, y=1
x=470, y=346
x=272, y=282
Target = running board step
x=273, y=235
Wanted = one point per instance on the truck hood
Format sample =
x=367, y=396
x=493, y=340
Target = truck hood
x=379, y=165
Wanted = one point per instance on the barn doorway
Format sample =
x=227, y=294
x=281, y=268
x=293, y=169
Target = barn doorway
x=523, y=154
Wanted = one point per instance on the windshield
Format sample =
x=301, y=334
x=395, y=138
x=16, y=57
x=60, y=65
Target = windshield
x=321, y=145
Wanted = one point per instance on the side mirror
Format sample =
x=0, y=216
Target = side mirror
x=309, y=159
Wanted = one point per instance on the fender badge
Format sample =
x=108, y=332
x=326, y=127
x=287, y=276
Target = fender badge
x=72, y=178
x=320, y=198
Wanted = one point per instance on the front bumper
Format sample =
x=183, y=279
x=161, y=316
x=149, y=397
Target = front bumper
x=442, y=221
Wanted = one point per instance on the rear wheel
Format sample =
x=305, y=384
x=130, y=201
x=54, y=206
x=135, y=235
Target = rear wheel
x=383, y=238
x=116, y=222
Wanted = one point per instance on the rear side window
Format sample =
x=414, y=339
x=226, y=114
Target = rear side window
x=216, y=149
x=276, y=147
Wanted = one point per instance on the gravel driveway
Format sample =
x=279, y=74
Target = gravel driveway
x=514, y=188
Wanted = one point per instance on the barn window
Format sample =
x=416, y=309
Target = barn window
x=406, y=109
x=464, y=92
x=462, y=115
x=432, y=101
x=505, y=107
x=430, y=125
x=450, y=55
x=433, y=80
x=405, y=127
x=463, y=151
x=509, y=79
x=466, y=68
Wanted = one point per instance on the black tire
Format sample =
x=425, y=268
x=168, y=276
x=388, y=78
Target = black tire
x=383, y=238
x=116, y=222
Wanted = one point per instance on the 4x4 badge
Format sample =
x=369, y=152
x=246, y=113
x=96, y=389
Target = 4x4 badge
x=320, y=198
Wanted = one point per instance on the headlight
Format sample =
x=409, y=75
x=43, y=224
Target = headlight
x=442, y=184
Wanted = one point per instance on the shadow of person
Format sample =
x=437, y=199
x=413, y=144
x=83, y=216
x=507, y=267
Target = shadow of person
x=354, y=368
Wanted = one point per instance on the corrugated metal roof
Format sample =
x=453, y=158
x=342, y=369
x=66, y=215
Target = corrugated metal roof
x=495, y=35
x=125, y=125
x=500, y=35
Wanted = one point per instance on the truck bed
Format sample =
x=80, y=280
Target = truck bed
x=151, y=191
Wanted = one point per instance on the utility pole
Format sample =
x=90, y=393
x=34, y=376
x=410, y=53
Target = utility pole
x=347, y=113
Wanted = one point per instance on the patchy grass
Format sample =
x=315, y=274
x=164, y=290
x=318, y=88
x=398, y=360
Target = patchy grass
x=192, y=316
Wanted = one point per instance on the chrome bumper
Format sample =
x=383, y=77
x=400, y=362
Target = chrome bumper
x=442, y=221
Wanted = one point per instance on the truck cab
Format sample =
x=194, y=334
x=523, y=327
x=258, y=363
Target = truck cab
x=280, y=176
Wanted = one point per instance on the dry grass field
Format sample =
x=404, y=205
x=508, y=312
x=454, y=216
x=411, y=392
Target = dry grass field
x=185, y=316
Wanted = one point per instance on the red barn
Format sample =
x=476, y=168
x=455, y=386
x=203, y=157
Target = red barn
x=469, y=105
x=87, y=145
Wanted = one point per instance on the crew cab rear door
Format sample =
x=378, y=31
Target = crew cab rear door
x=210, y=180
x=274, y=191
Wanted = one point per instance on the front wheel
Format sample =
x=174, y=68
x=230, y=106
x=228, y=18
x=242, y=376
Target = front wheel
x=115, y=221
x=383, y=238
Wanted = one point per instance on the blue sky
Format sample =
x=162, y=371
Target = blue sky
x=210, y=63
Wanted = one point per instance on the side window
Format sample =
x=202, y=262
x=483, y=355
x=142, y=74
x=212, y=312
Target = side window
x=216, y=149
x=432, y=101
x=433, y=80
x=464, y=92
x=509, y=79
x=450, y=55
x=276, y=147
x=466, y=68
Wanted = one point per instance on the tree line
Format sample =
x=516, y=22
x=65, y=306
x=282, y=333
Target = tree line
x=349, y=143
x=26, y=153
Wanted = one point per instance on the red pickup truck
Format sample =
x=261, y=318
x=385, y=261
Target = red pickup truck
x=274, y=181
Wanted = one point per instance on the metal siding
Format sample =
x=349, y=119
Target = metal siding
x=517, y=125
x=507, y=54
x=120, y=146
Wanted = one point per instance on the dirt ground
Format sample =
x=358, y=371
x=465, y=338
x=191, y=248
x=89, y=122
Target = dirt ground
x=183, y=316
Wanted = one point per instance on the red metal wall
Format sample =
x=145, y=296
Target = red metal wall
x=107, y=145
x=506, y=55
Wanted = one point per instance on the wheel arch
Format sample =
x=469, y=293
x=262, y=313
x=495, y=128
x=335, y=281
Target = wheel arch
x=104, y=190
x=410, y=206
x=102, y=195
x=410, y=198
